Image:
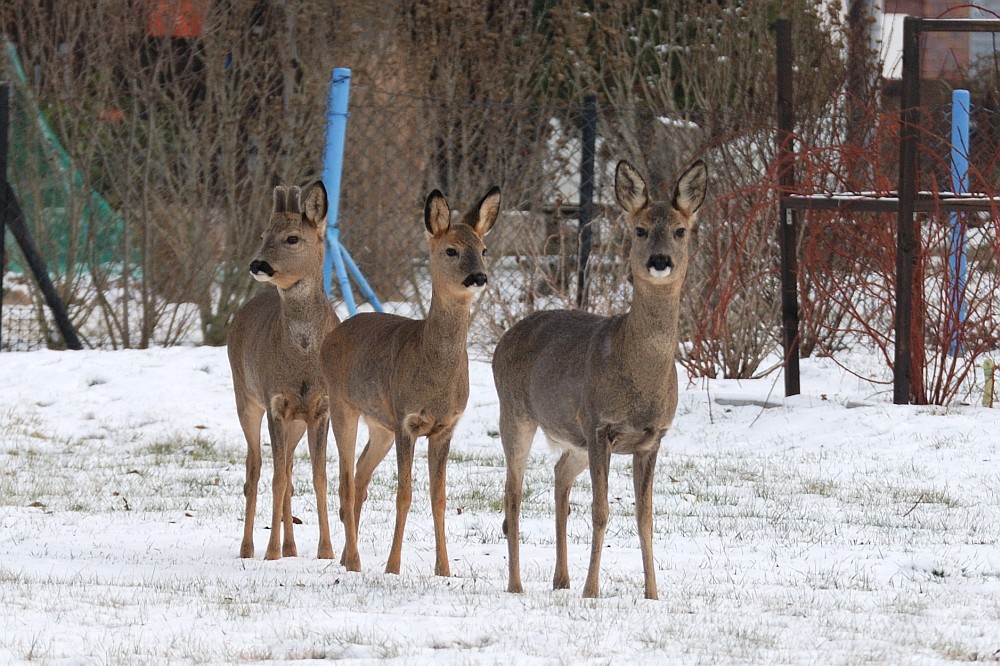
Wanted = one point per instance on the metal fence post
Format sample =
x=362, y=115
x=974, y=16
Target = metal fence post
x=333, y=167
x=788, y=224
x=586, y=210
x=907, y=240
x=4, y=128
x=960, y=105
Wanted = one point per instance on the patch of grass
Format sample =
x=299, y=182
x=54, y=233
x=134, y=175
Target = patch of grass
x=925, y=496
x=821, y=487
x=17, y=422
x=476, y=458
x=188, y=448
x=478, y=497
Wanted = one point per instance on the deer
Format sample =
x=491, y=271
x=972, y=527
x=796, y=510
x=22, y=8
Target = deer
x=599, y=385
x=273, y=349
x=409, y=378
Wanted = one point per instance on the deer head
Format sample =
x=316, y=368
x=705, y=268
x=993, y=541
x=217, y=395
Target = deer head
x=661, y=232
x=292, y=244
x=458, y=254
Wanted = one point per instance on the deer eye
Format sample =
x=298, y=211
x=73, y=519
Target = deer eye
x=292, y=240
x=679, y=233
x=484, y=251
x=451, y=252
x=641, y=232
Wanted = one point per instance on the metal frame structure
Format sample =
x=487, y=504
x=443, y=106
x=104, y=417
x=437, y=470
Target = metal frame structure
x=12, y=219
x=907, y=202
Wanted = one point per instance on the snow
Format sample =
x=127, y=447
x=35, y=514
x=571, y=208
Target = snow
x=831, y=527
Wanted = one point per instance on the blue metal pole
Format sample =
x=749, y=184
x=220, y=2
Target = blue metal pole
x=337, y=259
x=360, y=280
x=960, y=105
x=333, y=167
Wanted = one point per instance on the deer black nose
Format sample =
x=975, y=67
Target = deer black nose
x=257, y=266
x=659, y=262
x=478, y=279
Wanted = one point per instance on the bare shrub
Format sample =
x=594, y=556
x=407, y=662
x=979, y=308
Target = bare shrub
x=848, y=261
x=183, y=135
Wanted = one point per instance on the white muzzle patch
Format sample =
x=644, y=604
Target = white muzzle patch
x=261, y=277
x=660, y=274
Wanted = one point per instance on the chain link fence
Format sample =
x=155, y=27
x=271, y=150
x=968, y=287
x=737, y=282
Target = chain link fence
x=400, y=147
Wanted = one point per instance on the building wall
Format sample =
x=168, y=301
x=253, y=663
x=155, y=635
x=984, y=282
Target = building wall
x=945, y=54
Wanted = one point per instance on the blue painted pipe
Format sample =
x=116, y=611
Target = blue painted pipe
x=960, y=105
x=333, y=168
x=362, y=283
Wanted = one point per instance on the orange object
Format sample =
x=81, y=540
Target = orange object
x=175, y=18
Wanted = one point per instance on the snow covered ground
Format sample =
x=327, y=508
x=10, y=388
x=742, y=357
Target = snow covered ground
x=830, y=528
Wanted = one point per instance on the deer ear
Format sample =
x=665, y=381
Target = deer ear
x=294, y=204
x=689, y=193
x=489, y=209
x=280, y=199
x=315, y=205
x=437, y=215
x=630, y=188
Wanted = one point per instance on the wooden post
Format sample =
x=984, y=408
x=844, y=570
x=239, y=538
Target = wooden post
x=907, y=236
x=788, y=224
x=4, y=129
x=586, y=210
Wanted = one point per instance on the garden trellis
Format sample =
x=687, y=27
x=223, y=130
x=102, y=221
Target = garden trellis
x=905, y=202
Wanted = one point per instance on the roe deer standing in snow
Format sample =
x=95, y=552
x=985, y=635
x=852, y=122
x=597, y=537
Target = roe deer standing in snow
x=409, y=378
x=601, y=385
x=274, y=354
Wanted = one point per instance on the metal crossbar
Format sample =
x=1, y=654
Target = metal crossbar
x=905, y=202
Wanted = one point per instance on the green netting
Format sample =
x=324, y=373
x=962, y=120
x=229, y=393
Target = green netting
x=72, y=224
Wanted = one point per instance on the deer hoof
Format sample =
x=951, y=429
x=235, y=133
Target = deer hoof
x=352, y=563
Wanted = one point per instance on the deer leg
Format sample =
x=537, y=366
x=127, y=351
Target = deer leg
x=293, y=433
x=437, y=462
x=345, y=432
x=643, y=465
x=279, y=483
x=569, y=466
x=379, y=442
x=318, y=434
x=250, y=415
x=516, y=437
x=600, y=466
x=404, y=493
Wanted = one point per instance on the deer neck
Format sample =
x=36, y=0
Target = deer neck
x=653, y=322
x=447, y=325
x=304, y=309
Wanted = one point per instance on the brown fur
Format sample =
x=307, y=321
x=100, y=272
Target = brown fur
x=601, y=385
x=408, y=378
x=274, y=354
